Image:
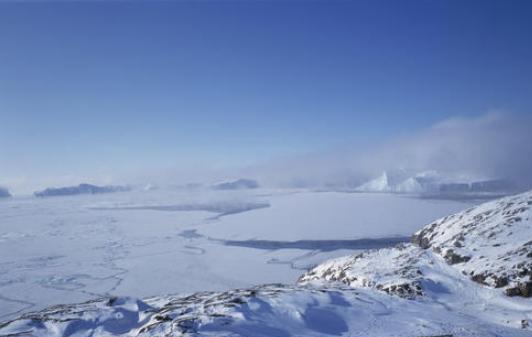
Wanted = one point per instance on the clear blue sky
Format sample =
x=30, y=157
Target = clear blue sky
x=131, y=85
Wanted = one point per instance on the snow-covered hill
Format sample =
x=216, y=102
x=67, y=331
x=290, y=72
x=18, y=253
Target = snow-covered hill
x=490, y=244
x=273, y=311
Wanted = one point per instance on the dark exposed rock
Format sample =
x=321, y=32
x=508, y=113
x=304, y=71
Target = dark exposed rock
x=501, y=281
x=162, y=318
x=405, y=290
x=452, y=258
x=421, y=241
x=523, y=289
x=479, y=278
x=513, y=291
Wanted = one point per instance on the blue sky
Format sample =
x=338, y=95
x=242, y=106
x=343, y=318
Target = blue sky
x=109, y=87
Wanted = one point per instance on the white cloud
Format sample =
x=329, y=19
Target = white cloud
x=494, y=145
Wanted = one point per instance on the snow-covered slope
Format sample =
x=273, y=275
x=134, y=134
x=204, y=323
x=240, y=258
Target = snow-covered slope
x=393, y=270
x=490, y=244
x=270, y=311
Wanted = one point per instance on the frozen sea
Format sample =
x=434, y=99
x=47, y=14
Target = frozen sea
x=70, y=249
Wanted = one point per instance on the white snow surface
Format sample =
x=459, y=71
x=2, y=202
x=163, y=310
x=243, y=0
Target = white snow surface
x=393, y=270
x=490, y=243
x=492, y=240
x=348, y=296
x=71, y=249
x=281, y=311
x=332, y=215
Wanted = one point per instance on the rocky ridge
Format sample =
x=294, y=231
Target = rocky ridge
x=490, y=243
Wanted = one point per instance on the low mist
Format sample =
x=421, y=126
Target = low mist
x=492, y=146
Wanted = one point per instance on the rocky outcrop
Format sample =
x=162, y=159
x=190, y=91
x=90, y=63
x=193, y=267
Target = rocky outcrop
x=396, y=271
x=490, y=244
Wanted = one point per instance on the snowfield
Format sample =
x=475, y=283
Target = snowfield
x=71, y=249
x=332, y=216
x=272, y=311
x=102, y=250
